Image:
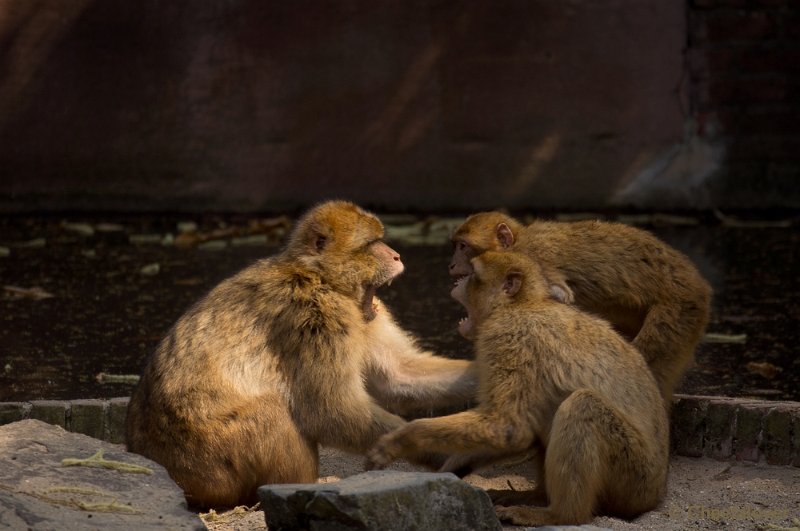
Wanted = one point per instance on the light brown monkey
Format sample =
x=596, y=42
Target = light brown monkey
x=292, y=352
x=556, y=380
x=651, y=293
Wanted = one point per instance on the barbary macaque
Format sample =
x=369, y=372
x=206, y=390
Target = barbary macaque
x=554, y=381
x=651, y=293
x=291, y=353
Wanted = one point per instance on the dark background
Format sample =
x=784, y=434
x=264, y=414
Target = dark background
x=253, y=105
x=121, y=120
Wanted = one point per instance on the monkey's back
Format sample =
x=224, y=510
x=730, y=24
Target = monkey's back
x=607, y=260
x=545, y=351
x=220, y=358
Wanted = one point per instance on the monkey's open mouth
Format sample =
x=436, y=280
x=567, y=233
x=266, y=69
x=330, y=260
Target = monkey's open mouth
x=368, y=306
x=465, y=326
x=459, y=294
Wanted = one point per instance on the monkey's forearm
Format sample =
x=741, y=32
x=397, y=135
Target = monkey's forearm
x=467, y=432
x=424, y=383
x=357, y=431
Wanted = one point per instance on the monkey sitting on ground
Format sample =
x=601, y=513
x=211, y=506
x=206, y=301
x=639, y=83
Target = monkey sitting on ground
x=555, y=380
x=292, y=352
x=651, y=293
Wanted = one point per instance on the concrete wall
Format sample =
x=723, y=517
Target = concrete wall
x=425, y=104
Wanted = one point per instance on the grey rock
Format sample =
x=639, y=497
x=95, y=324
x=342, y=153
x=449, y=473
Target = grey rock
x=38, y=492
x=384, y=500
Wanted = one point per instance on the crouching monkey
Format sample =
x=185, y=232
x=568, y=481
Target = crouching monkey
x=292, y=352
x=554, y=380
x=651, y=293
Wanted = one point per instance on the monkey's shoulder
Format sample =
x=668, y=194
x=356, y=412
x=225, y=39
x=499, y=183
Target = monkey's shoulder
x=551, y=328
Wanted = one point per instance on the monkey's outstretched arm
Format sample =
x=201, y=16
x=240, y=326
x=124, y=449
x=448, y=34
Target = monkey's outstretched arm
x=404, y=379
x=467, y=432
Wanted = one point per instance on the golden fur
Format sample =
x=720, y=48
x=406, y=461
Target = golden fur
x=290, y=353
x=651, y=293
x=557, y=381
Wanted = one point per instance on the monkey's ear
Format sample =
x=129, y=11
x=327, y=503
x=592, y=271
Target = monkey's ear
x=512, y=283
x=318, y=239
x=561, y=293
x=504, y=235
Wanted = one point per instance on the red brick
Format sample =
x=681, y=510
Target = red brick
x=50, y=411
x=776, y=441
x=747, y=437
x=115, y=420
x=688, y=425
x=13, y=411
x=88, y=417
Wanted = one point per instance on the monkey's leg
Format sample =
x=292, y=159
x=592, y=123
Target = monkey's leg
x=255, y=442
x=668, y=339
x=537, y=496
x=467, y=432
x=586, y=436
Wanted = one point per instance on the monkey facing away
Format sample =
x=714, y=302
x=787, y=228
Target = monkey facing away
x=651, y=293
x=555, y=380
x=292, y=352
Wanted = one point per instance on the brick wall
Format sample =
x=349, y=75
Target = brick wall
x=744, y=69
x=723, y=428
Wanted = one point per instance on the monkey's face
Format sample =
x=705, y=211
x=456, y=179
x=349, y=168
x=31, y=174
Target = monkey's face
x=344, y=245
x=496, y=280
x=486, y=231
x=474, y=293
x=463, y=252
x=387, y=266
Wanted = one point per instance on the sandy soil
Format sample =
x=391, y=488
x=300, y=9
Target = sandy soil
x=703, y=494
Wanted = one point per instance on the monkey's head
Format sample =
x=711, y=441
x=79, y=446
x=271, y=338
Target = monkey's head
x=498, y=279
x=486, y=231
x=343, y=244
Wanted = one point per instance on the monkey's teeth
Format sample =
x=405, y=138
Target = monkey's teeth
x=389, y=282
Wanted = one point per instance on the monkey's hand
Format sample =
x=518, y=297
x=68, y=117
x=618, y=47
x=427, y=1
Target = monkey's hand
x=386, y=451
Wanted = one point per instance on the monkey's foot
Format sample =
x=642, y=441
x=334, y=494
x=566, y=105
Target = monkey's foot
x=380, y=456
x=528, y=516
x=518, y=497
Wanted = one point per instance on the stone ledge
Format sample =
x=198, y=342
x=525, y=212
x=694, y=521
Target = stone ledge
x=736, y=429
x=719, y=427
x=99, y=418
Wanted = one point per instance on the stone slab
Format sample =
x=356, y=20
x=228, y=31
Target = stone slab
x=37, y=492
x=380, y=500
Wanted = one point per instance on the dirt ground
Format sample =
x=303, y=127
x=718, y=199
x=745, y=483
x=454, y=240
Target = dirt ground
x=703, y=494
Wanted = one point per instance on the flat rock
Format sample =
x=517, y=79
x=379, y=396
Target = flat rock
x=380, y=500
x=38, y=492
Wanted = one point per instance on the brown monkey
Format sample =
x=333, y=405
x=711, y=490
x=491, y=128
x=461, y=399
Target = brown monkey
x=651, y=293
x=292, y=352
x=556, y=380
